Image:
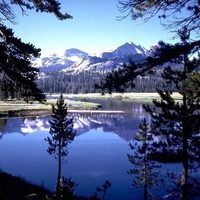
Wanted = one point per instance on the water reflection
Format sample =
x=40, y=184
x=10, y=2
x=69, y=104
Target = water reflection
x=127, y=106
x=99, y=152
x=123, y=125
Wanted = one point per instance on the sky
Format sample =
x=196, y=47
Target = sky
x=93, y=29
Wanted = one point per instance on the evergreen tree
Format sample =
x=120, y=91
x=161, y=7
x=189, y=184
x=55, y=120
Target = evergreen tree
x=15, y=56
x=144, y=168
x=62, y=134
x=16, y=69
x=48, y=6
x=174, y=14
x=178, y=121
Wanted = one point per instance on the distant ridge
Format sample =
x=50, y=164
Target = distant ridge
x=75, y=61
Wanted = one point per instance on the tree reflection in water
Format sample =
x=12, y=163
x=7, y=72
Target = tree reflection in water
x=98, y=153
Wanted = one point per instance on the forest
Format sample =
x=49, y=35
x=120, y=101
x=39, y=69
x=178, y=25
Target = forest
x=179, y=121
x=61, y=82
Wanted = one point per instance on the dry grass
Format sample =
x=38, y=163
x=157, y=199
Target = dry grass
x=6, y=106
x=126, y=96
x=81, y=104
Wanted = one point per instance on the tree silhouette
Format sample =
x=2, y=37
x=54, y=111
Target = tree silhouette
x=17, y=76
x=48, y=6
x=62, y=134
x=173, y=14
x=143, y=167
x=178, y=121
x=16, y=71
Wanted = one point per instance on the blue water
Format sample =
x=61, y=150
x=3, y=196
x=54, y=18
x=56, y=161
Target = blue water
x=94, y=157
x=98, y=153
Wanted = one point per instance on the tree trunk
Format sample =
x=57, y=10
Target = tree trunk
x=146, y=175
x=59, y=173
x=145, y=196
x=184, y=178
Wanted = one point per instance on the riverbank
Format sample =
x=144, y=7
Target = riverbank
x=21, y=108
x=17, y=188
x=144, y=97
x=75, y=102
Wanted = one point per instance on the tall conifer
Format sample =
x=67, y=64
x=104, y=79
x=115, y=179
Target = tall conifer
x=62, y=134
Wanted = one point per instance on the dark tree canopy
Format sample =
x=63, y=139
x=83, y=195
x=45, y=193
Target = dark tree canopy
x=145, y=170
x=178, y=13
x=17, y=76
x=62, y=134
x=179, y=121
x=15, y=65
x=48, y=6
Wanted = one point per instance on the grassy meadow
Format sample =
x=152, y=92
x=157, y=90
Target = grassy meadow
x=145, y=97
x=74, y=102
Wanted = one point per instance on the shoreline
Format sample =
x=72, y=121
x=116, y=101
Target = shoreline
x=17, y=108
x=97, y=111
x=26, y=113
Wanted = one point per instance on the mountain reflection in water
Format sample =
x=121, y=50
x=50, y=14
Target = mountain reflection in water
x=124, y=125
x=98, y=153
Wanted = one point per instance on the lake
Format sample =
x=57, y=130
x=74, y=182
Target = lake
x=98, y=153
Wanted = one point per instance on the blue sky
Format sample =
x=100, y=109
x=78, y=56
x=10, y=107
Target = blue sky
x=94, y=28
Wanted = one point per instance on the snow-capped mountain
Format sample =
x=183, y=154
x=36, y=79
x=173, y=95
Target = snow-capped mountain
x=75, y=55
x=58, y=62
x=75, y=61
x=128, y=49
x=122, y=126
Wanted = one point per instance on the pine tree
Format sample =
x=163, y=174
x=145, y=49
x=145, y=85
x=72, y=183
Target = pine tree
x=178, y=121
x=143, y=167
x=62, y=134
x=173, y=14
x=15, y=56
x=16, y=68
x=48, y=6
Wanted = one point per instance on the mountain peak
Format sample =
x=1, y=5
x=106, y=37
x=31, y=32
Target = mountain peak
x=74, y=51
x=74, y=60
x=129, y=48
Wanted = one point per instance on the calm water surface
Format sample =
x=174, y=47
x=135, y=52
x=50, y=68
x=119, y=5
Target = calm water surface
x=98, y=153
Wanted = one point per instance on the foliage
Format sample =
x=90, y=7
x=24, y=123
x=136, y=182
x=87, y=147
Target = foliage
x=191, y=88
x=174, y=188
x=17, y=76
x=67, y=188
x=178, y=13
x=179, y=122
x=144, y=168
x=102, y=189
x=62, y=134
x=60, y=82
x=48, y=6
